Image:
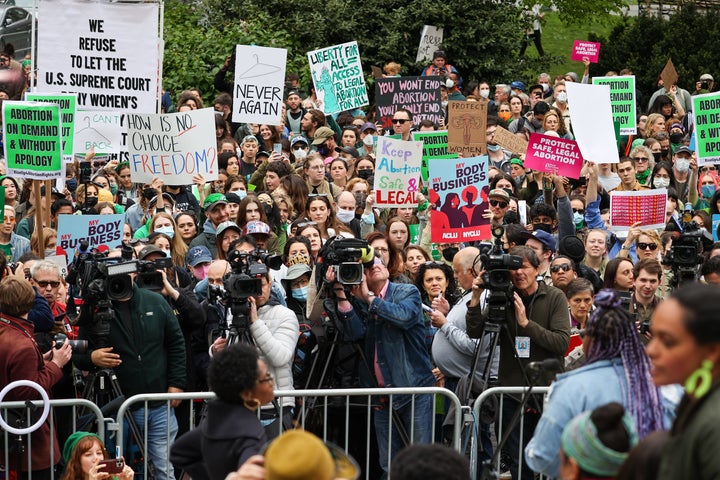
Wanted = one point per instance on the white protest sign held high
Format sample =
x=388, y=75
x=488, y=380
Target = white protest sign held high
x=107, y=53
x=173, y=146
x=102, y=131
x=592, y=121
x=430, y=40
x=259, y=83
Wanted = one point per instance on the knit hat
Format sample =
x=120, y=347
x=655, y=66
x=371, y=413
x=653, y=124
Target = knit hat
x=72, y=442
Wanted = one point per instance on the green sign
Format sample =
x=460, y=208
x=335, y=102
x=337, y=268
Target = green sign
x=68, y=103
x=707, y=126
x=622, y=101
x=435, y=145
x=33, y=144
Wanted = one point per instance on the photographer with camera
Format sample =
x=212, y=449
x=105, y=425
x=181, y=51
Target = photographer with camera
x=536, y=328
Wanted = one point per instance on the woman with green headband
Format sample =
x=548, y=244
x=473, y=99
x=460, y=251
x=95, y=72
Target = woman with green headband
x=82, y=455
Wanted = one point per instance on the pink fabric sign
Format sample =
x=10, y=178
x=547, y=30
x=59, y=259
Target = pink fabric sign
x=582, y=49
x=554, y=155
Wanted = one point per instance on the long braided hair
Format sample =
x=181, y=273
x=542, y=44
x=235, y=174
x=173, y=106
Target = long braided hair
x=613, y=334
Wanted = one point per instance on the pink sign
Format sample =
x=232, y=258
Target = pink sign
x=553, y=155
x=645, y=206
x=582, y=49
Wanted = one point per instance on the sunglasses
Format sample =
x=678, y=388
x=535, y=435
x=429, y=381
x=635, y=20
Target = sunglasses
x=401, y=121
x=565, y=267
x=44, y=284
x=299, y=147
x=499, y=203
x=646, y=246
x=581, y=211
x=707, y=168
x=641, y=159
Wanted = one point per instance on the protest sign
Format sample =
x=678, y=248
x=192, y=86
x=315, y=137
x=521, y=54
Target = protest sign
x=175, y=146
x=397, y=174
x=592, y=122
x=707, y=127
x=511, y=142
x=259, y=84
x=32, y=140
x=420, y=95
x=583, y=49
x=103, y=131
x=622, y=101
x=715, y=225
x=100, y=231
x=466, y=127
x=434, y=146
x=669, y=75
x=430, y=40
x=459, y=197
x=553, y=155
x=109, y=58
x=338, y=77
x=67, y=104
x=646, y=206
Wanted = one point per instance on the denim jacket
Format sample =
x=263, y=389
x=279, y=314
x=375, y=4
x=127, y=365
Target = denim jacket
x=395, y=327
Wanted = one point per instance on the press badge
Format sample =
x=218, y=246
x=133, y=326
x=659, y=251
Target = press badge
x=522, y=346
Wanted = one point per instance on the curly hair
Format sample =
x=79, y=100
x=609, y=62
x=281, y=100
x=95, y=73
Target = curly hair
x=233, y=370
x=450, y=293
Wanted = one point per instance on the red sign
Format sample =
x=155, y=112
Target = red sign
x=554, y=155
x=582, y=50
x=646, y=206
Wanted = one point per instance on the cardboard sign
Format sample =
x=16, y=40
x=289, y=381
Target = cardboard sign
x=458, y=196
x=174, y=146
x=582, y=50
x=622, y=101
x=259, y=84
x=466, y=127
x=109, y=56
x=376, y=72
x=592, y=121
x=420, y=95
x=103, y=131
x=338, y=77
x=510, y=141
x=397, y=172
x=101, y=231
x=707, y=127
x=554, y=155
x=430, y=40
x=434, y=146
x=669, y=75
x=32, y=139
x=67, y=104
x=646, y=206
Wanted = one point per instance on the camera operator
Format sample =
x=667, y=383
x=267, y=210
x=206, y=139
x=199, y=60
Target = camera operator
x=146, y=349
x=536, y=329
x=388, y=316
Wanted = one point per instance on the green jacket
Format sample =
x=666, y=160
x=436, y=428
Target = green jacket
x=152, y=354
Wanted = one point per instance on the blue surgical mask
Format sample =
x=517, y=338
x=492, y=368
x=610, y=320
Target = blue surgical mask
x=300, y=294
x=113, y=189
x=708, y=191
x=494, y=148
x=240, y=193
x=169, y=231
x=578, y=220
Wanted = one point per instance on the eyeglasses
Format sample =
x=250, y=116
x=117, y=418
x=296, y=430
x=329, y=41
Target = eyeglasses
x=641, y=159
x=706, y=168
x=646, y=246
x=401, y=121
x=381, y=249
x=499, y=203
x=581, y=211
x=565, y=267
x=44, y=284
x=267, y=379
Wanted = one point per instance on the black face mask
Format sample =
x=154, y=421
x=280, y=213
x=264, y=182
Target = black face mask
x=676, y=138
x=148, y=193
x=657, y=156
x=664, y=152
x=91, y=202
x=449, y=253
x=323, y=150
x=365, y=174
x=542, y=226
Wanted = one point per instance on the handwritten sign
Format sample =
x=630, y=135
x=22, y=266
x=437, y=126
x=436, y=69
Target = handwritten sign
x=175, y=146
x=420, y=95
x=622, y=101
x=99, y=58
x=510, y=141
x=259, y=83
x=338, y=77
x=646, y=206
x=466, y=127
x=553, y=155
x=397, y=174
x=430, y=40
x=103, y=131
x=32, y=139
x=459, y=198
x=104, y=231
x=669, y=75
x=67, y=104
x=707, y=127
x=434, y=146
x=583, y=49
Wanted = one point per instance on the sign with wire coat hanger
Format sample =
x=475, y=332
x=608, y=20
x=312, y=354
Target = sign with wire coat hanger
x=259, y=83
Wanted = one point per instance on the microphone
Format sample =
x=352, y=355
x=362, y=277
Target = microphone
x=547, y=365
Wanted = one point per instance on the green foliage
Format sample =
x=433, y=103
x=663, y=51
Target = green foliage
x=582, y=12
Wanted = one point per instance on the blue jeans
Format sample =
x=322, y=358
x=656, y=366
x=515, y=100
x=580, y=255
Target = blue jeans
x=159, y=438
x=420, y=424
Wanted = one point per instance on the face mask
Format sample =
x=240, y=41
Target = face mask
x=664, y=151
x=365, y=174
x=300, y=294
x=113, y=189
x=71, y=184
x=519, y=180
x=657, y=156
x=493, y=148
x=91, y=201
x=708, y=191
x=322, y=150
x=201, y=272
x=546, y=86
x=169, y=231
x=676, y=138
x=345, y=216
x=578, y=220
x=661, y=182
x=542, y=226
x=302, y=153
x=368, y=141
x=449, y=253
x=49, y=252
x=561, y=97
x=166, y=252
x=240, y=193
x=148, y=193
x=484, y=93
x=505, y=116
x=682, y=165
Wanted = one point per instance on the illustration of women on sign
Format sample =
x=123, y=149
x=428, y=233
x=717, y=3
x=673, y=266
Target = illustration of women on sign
x=325, y=84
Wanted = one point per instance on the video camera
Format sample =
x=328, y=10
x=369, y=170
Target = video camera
x=685, y=255
x=348, y=257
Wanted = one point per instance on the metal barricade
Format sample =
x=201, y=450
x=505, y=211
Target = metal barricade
x=346, y=394
x=92, y=410
x=487, y=394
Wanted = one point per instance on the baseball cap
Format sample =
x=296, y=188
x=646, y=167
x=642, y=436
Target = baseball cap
x=299, y=139
x=322, y=134
x=233, y=197
x=368, y=126
x=148, y=250
x=197, y=255
x=213, y=200
x=499, y=193
x=249, y=138
x=707, y=76
x=297, y=271
x=351, y=150
x=683, y=149
x=546, y=238
x=256, y=227
x=225, y=226
x=518, y=85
